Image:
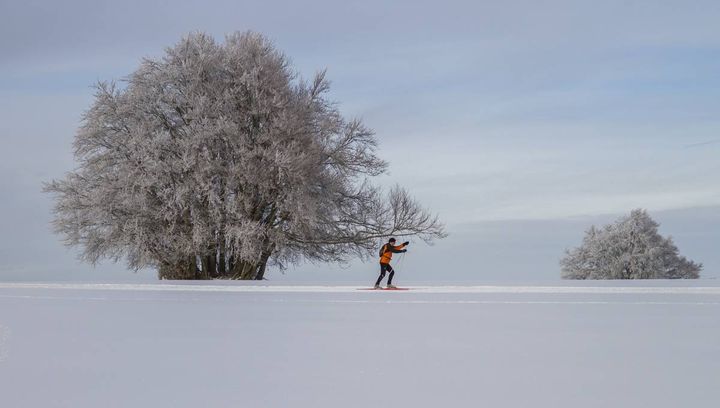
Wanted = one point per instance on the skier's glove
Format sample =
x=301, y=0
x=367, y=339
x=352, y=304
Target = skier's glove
x=406, y=243
x=404, y=250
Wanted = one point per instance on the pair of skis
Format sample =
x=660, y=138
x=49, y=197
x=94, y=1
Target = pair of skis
x=384, y=289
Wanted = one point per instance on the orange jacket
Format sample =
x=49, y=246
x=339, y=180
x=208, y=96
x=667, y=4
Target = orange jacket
x=387, y=252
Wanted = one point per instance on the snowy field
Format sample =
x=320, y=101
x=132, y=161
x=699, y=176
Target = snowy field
x=647, y=344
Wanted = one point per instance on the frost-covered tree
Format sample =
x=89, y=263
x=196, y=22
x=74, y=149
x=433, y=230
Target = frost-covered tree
x=630, y=248
x=217, y=160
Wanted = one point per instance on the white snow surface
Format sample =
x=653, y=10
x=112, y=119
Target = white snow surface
x=584, y=344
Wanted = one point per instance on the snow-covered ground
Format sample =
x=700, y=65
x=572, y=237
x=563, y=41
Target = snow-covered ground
x=648, y=344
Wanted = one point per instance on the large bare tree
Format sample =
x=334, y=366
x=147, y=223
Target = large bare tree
x=217, y=160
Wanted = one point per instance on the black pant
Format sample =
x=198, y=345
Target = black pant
x=383, y=269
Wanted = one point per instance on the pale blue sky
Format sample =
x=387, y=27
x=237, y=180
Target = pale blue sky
x=520, y=123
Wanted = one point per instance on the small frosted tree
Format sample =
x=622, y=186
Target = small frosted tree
x=217, y=160
x=630, y=248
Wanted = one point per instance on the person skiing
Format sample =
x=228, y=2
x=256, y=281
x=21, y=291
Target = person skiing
x=386, y=253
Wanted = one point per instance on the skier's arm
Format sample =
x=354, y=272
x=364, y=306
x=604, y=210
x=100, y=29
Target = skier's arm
x=398, y=249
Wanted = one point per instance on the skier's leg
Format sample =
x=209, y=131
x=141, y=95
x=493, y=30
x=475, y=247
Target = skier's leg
x=392, y=273
x=382, y=274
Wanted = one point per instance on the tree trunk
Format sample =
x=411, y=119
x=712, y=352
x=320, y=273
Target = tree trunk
x=192, y=268
x=209, y=265
x=248, y=270
x=261, y=272
x=205, y=266
x=182, y=270
x=244, y=270
x=221, y=264
x=262, y=266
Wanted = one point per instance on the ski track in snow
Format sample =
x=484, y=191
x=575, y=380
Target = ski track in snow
x=369, y=301
x=4, y=336
x=95, y=290
x=484, y=289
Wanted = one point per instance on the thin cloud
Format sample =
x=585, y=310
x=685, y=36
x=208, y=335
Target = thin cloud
x=706, y=143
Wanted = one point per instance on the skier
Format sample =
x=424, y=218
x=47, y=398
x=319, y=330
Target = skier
x=385, y=256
